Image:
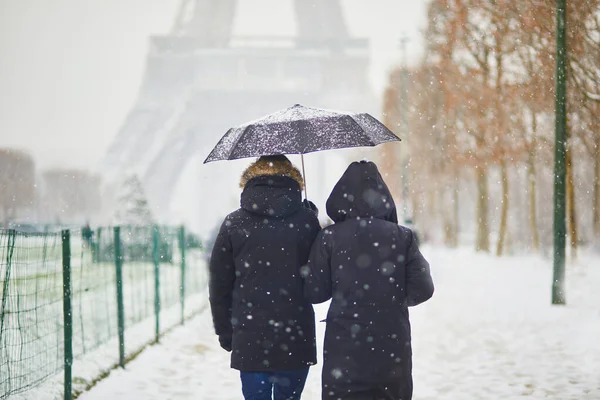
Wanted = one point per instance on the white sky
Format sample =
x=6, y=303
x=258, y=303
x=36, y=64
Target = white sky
x=70, y=69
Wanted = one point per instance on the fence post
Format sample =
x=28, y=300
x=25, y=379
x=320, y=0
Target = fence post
x=156, y=260
x=182, y=287
x=67, y=313
x=98, y=245
x=12, y=236
x=120, y=307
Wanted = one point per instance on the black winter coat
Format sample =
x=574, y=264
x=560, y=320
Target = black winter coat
x=373, y=271
x=256, y=294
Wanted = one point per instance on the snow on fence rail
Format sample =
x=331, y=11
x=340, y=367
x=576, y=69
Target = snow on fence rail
x=66, y=296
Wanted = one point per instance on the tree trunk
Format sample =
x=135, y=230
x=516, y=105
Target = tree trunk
x=571, y=216
x=448, y=229
x=388, y=160
x=531, y=182
x=533, y=206
x=5, y=217
x=416, y=207
x=504, y=211
x=483, y=229
x=430, y=215
x=446, y=218
x=431, y=201
x=596, y=205
x=455, y=203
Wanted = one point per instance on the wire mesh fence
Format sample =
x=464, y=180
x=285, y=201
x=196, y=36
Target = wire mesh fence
x=31, y=310
x=93, y=297
x=159, y=268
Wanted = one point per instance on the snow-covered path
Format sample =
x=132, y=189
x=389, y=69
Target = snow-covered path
x=488, y=333
x=188, y=364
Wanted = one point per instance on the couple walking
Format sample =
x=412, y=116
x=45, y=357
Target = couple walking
x=271, y=261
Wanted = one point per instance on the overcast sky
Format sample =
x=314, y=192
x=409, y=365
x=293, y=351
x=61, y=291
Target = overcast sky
x=70, y=69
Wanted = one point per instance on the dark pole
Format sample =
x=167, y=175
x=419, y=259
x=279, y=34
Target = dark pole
x=560, y=159
x=156, y=261
x=67, y=313
x=120, y=306
x=182, y=287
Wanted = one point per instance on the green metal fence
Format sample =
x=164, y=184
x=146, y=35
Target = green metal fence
x=67, y=295
x=31, y=321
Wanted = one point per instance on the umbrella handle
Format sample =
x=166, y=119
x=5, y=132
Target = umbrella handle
x=304, y=176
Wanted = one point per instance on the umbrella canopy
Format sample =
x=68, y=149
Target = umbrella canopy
x=300, y=130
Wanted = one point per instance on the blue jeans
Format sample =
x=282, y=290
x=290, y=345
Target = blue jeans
x=283, y=385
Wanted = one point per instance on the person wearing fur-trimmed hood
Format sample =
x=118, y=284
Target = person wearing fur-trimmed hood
x=256, y=291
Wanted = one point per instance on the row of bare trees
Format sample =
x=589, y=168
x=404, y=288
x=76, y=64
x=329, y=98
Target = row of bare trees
x=481, y=122
x=58, y=195
x=17, y=183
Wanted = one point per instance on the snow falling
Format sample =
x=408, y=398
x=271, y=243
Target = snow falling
x=481, y=124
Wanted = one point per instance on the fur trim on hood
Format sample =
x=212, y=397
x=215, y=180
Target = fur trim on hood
x=269, y=165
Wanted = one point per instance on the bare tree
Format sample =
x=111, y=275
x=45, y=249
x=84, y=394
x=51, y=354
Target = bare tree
x=70, y=195
x=132, y=207
x=482, y=106
x=17, y=183
x=584, y=103
x=535, y=81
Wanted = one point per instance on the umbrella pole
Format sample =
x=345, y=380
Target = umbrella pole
x=304, y=176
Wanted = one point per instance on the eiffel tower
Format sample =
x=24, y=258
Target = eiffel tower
x=201, y=79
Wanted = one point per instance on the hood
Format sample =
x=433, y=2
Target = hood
x=273, y=196
x=361, y=193
x=271, y=165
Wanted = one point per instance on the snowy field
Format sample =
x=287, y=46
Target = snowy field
x=31, y=360
x=489, y=332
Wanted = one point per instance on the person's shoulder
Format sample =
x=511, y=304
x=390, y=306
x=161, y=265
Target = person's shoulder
x=232, y=219
x=389, y=227
x=406, y=233
x=235, y=214
x=330, y=229
x=404, y=229
x=307, y=216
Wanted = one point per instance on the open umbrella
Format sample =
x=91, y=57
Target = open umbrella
x=300, y=130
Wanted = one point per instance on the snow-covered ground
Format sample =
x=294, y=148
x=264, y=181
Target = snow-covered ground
x=488, y=333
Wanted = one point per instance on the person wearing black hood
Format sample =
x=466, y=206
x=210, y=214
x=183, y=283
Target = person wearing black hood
x=256, y=292
x=373, y=271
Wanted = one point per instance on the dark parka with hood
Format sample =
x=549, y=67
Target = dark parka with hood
x=256, y=295
x=373, y=271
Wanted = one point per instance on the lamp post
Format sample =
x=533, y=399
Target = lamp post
x=560, y=159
